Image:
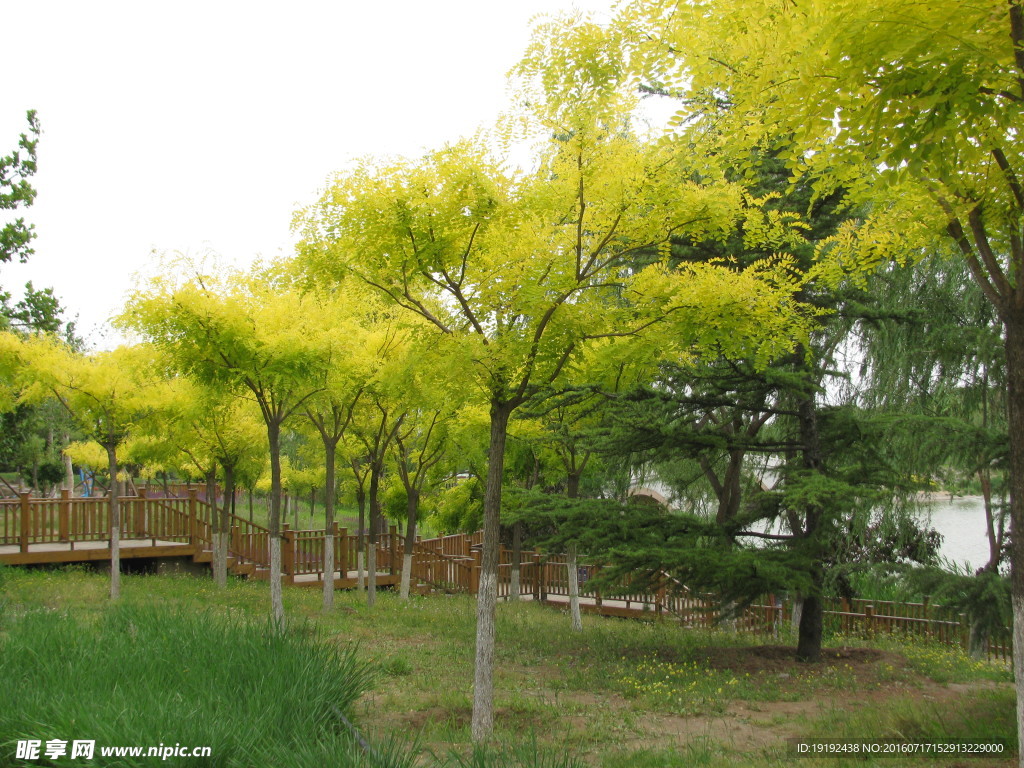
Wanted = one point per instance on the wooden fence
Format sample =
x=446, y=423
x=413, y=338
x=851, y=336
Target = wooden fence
x=447, y=563
x=545, y=578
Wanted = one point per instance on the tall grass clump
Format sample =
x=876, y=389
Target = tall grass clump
x=142, y=675
x=524, y=754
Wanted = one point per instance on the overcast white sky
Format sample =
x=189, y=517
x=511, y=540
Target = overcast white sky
x=198, y=126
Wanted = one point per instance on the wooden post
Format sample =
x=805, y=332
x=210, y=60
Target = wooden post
x=869, y=618
x=62, y=514
x=193, y=522
x=144, y=518
x=236, y=541
x=140, y=514
x=474, y=578
x=341, y=549
x=26, y=520
x=288, y=553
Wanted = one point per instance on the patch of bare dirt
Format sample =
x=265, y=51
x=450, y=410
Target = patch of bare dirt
x=780, y=658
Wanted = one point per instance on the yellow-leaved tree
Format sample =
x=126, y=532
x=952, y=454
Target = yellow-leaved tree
x=519, y=275
x=358, y=357
x=197, y=429
x=251, y=334
x=107, y=394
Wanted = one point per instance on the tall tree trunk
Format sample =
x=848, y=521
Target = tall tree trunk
x=69, y=475
x=729, y=503
x=811, y=625
x=329, y=493
x=371, y=554
x=487, y=599
x=219, y=568
x=514, y=589
x=572, y=490
x=224, y=526
x=1014, y=322
x=115, y=522
x=811, y=622
x=274, y=525
x=361, y=542
x=574, y=589
x=412, y=510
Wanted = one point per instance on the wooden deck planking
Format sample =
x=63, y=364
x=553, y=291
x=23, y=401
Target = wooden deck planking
x=85, y=551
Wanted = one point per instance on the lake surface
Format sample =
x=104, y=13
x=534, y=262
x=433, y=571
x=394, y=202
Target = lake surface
x=962, y=525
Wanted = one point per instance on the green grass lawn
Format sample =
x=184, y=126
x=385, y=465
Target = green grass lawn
x=180, y=656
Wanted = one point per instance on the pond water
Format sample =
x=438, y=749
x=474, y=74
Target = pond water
x=962, y=525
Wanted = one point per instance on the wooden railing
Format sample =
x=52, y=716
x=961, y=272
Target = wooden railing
x=166, y=519
x=450, y=563
x=445, y=572
x=250, y=543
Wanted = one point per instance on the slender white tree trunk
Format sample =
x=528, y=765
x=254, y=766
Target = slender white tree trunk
x=406, y=575
x=574, y=590
x=487, y=599
x=483, y=678
x=361, y=541
x=69, y=470
x=412, y=509
x=330, y=487
x=274, y=524
x=371, y=575
x=115, y=562
x=1014, y=344
x=1018, y=663
x=328, y=570
x=220, y=558
x=276, y=597
x=115, y=525
x=371, y=586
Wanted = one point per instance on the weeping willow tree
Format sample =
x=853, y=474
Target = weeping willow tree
x=934, y=356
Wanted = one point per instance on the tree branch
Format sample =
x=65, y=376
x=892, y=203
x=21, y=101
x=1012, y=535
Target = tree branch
x=1011, y=177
